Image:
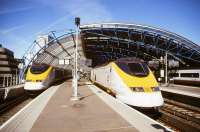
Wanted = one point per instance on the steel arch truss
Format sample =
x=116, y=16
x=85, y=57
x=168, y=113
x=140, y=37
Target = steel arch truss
x=109, y=41
x=60, y=47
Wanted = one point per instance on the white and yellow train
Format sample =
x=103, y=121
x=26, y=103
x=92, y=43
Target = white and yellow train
x=40, y=76
x=131, y=81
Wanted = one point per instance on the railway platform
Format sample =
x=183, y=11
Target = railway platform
x=183, y=90
x=96, y=111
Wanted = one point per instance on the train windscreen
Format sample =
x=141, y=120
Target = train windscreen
x=137, y=69
x=38, y=69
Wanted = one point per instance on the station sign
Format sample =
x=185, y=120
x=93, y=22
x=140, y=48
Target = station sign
x=162, y=74
x=63, y=62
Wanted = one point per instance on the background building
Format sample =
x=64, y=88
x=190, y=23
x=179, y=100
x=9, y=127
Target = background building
x=8, y=68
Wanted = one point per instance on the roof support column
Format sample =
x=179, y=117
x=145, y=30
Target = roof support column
x=75, y=95
x=129, y=37
x=166, y=70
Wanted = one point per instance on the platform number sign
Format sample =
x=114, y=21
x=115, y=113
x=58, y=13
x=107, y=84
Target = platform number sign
x=162, y=73
x=63, y=62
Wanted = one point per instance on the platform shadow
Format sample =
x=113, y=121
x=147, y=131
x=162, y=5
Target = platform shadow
x=89, y=95
x=83, y=84
x=157, y=126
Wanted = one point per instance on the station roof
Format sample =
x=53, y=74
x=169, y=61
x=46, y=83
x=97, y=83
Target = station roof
x=108, y=41
x=100, y=43
x=58, y=49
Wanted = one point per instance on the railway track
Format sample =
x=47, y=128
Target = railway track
x=182, y=116
x=11, y=103
x=11, y=107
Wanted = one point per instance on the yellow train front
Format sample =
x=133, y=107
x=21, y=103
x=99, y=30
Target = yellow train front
x=131, y=81
x=40, y=76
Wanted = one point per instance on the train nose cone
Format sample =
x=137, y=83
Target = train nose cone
x=31, y=86
x=143, y=99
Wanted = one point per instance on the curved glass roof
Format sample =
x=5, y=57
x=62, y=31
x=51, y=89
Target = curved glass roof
x=109, y=41
x=104, y=42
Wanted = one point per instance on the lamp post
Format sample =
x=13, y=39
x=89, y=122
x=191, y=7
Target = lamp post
x=166, y=75
x=75, y=77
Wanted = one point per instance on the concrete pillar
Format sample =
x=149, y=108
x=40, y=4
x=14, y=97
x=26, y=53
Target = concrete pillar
x=11, y=80
x=166, y=72
x=4, y=81
x=16, y=79
x=7, y=81
x=13, y=83
x=1, y=83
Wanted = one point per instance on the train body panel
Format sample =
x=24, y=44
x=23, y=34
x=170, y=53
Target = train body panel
x=133, y=81
x=124, y=85
x=187, y=77
x=34, y=86
x=142, y=100
x=107, y=77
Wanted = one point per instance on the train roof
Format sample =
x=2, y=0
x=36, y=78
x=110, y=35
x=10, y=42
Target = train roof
x=125, y=60
x=130, y=59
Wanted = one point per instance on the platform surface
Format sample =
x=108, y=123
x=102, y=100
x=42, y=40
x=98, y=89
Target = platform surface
x=181, y=89
x=90, y=114
x=53, y=111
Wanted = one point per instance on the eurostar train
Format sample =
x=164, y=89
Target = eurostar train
x=131, y=81
x=40, y=76
x=186, y=77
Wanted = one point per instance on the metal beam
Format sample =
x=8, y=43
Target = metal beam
x=45, y=50
x=57, y=41
x=124, y=40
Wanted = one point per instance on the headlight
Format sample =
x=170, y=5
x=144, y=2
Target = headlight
x=155, y=88
x=137, y=89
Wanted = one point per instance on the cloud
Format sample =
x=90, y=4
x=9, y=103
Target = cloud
x=53, y=24
x=13, y=40
x=57, y=21
x=14, y=10
x=15, y=43
x=10, y=30
x=89, y=10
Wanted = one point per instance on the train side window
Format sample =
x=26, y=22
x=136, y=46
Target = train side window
x=192, y=75
x=196, y=75
x=38, y=69
x=138, y=69
x=174, y=75
x=123, y=66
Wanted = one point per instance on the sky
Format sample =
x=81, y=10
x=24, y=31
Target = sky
x=21, y=21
